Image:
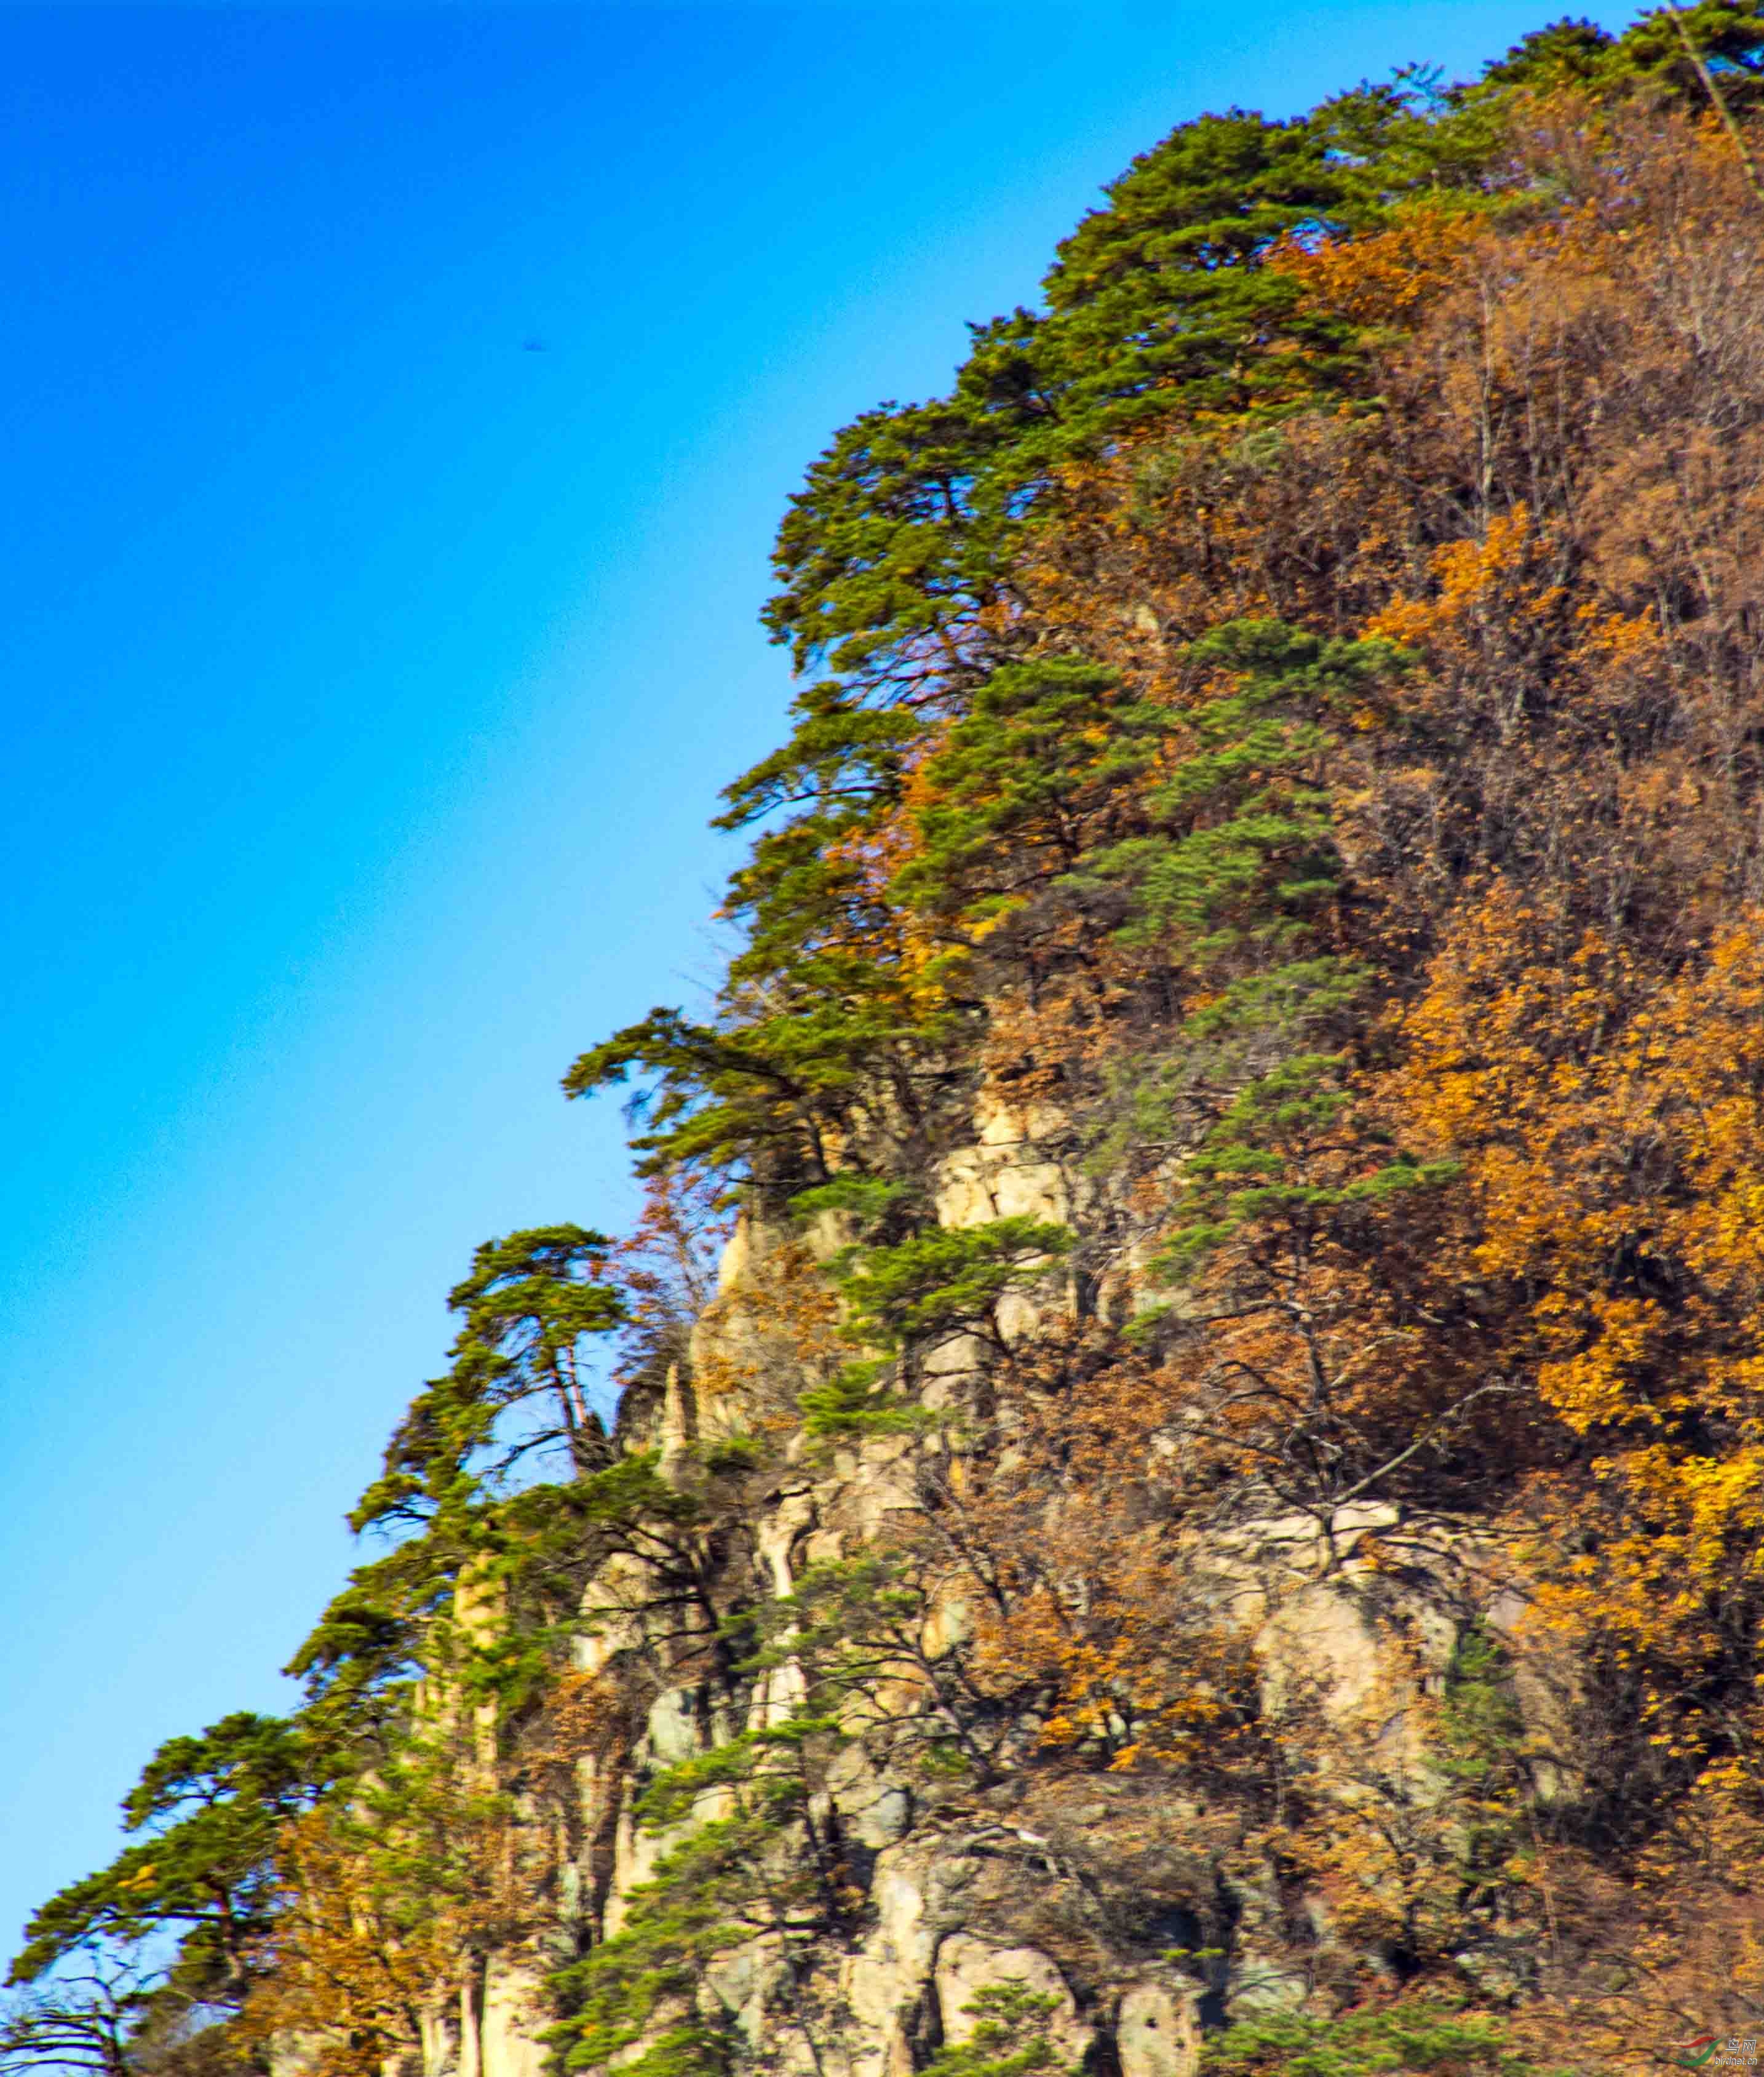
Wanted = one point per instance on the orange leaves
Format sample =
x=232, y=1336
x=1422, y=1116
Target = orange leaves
x=1552, y=837
x=1489, y=622
x=1610, y=640
x=1612, y=1126
x=1183, y=1701
x=1069, y=1557
x=1388, y=278
x=1615, y=1138
x=1472, y=579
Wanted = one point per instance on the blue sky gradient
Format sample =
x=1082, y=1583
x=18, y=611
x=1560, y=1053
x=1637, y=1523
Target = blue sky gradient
x=369, y=679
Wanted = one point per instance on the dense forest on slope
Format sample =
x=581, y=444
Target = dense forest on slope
x=1278, y=767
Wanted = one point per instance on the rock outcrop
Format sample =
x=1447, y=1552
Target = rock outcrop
x=1140, y=1913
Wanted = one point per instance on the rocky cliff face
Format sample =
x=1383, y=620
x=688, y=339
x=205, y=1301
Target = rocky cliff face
x=1139, y=1908
x=1224, y=1479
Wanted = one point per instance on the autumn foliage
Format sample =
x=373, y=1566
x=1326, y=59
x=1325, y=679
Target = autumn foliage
x=1289, y=765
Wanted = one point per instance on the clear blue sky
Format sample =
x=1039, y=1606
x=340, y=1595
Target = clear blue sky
x=369, y=679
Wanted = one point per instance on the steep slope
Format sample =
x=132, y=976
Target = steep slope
x=1188, y=1488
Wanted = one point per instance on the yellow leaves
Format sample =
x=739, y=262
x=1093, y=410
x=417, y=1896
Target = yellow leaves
x=888, y=938
x=1738, y=1219
x=585, y=1715
x=1160, y=1689
x=345, y=1974
x=1726, y=1500
x=1605, y=1384
x=1117, y=1676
